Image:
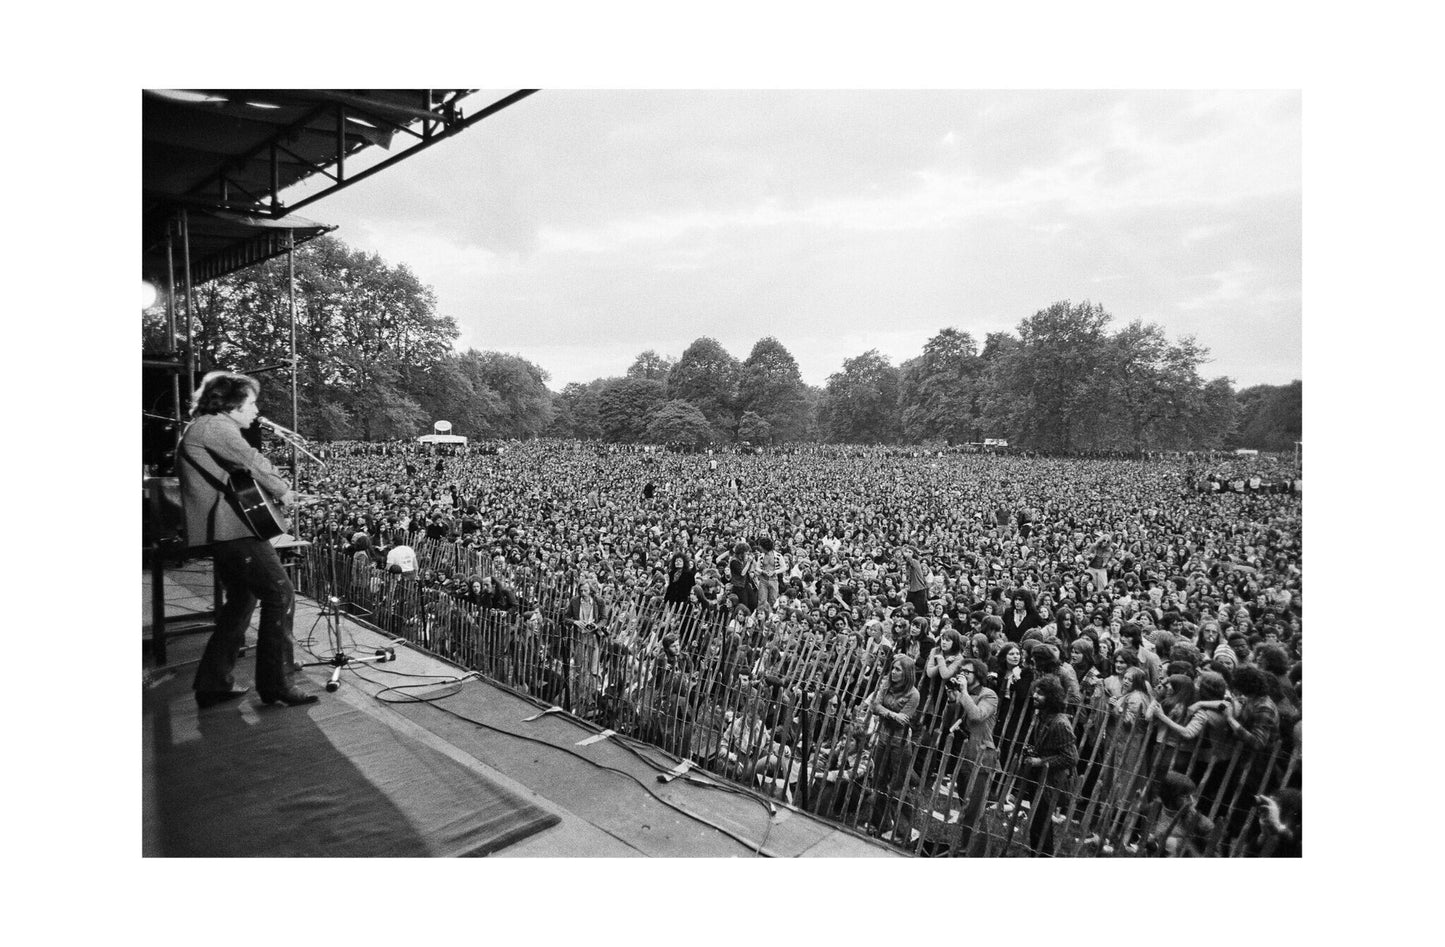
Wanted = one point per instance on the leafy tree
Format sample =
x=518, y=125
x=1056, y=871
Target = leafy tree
x=523, y=403
x=1217, y=412
x=771, y=387
x=1270, y=416
x=812, y=400
x=577, y=412
x=379, y=409
x=330, y=423
x=754, y=429
x=447, y=392
x=678, y=422
x=1055, y=384
x=624, y=404
x=370, y=327
x=707, y=376
x=375, y=360
x=651, y=366
x=367, y=335
x=939, y=391
x=1181, y=421
x=861, y=401
x=996, y=407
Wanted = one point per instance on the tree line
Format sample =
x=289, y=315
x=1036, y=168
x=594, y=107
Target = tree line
x=375, y=360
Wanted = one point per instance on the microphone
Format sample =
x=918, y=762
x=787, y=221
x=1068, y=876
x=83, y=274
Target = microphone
x=278, y=428
x=291, y=437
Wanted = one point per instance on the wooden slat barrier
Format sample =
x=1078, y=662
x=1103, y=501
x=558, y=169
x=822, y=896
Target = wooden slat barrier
x=788, y=714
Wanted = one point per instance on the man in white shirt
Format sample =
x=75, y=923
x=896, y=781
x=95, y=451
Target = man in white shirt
x=401, y=555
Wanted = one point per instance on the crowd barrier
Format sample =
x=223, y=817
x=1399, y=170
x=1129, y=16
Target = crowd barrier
x=793, y=722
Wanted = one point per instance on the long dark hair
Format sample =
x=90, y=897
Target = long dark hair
x=1028, y=597
x=1066, y=636
x=1051, y=694
x=1000, y=660
x=220, y=392
x=1087, y=664
x=1182, y=696
x=1207, y=648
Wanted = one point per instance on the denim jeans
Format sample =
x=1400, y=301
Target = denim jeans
x=249, y=571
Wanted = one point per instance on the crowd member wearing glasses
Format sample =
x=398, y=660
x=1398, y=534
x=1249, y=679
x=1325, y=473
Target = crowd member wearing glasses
x=977, y=756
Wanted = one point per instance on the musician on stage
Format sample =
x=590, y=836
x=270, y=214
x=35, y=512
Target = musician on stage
x=247, y=566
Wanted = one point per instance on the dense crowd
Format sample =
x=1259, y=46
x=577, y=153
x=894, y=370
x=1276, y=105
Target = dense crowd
x=915, y=592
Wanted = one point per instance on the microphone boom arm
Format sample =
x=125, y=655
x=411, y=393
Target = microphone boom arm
x=290, y=437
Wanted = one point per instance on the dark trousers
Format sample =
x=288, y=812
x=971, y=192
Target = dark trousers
x=890, y=774
x=1041, y=826
x=249, y=571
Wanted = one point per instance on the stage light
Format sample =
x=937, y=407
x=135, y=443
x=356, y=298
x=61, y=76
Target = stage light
x=147, y=295
x=186, y=96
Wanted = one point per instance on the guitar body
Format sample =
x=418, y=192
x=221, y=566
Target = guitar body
x=260, y=512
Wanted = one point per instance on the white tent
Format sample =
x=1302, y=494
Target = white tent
x=441, y=435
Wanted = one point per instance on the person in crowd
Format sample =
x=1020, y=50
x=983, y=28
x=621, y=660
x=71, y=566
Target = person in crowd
x=1208, y=640
x=681, y=577
x=1053, y=764
x=916, y=578
x=942, y=664
x=1179, y=829
x=1131, y=635
x=1207, y=718
x=742, y=575
x=1279, y=829
x=1065, y=626
x=1086, y=672
x=401, y=558
x=1126, y=735
x=770, y=570
x=895, y=703
x=973, y=757
x=1046, y=661
x=586, y=610
x=1021, y=616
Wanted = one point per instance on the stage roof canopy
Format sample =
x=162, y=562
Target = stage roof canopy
x=224, y=157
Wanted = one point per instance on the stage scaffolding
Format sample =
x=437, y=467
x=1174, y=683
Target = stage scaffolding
x=215, y=163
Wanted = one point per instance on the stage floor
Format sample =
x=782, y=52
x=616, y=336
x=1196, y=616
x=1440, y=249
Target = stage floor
x=607, y=801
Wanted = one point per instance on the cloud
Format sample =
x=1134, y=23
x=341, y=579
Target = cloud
x=614, y=222
x=1227, y=286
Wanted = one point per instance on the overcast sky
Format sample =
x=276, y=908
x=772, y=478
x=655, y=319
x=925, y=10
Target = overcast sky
x=579, y=228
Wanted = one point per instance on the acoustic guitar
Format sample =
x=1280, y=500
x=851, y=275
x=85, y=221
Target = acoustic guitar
x=255, y=505
x=263, y=514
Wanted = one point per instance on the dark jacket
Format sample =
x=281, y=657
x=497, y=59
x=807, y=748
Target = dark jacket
x=211, y=447
x=599, y=610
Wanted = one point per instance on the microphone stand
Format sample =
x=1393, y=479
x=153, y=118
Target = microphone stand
x=330, y=602
x=291, y=438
